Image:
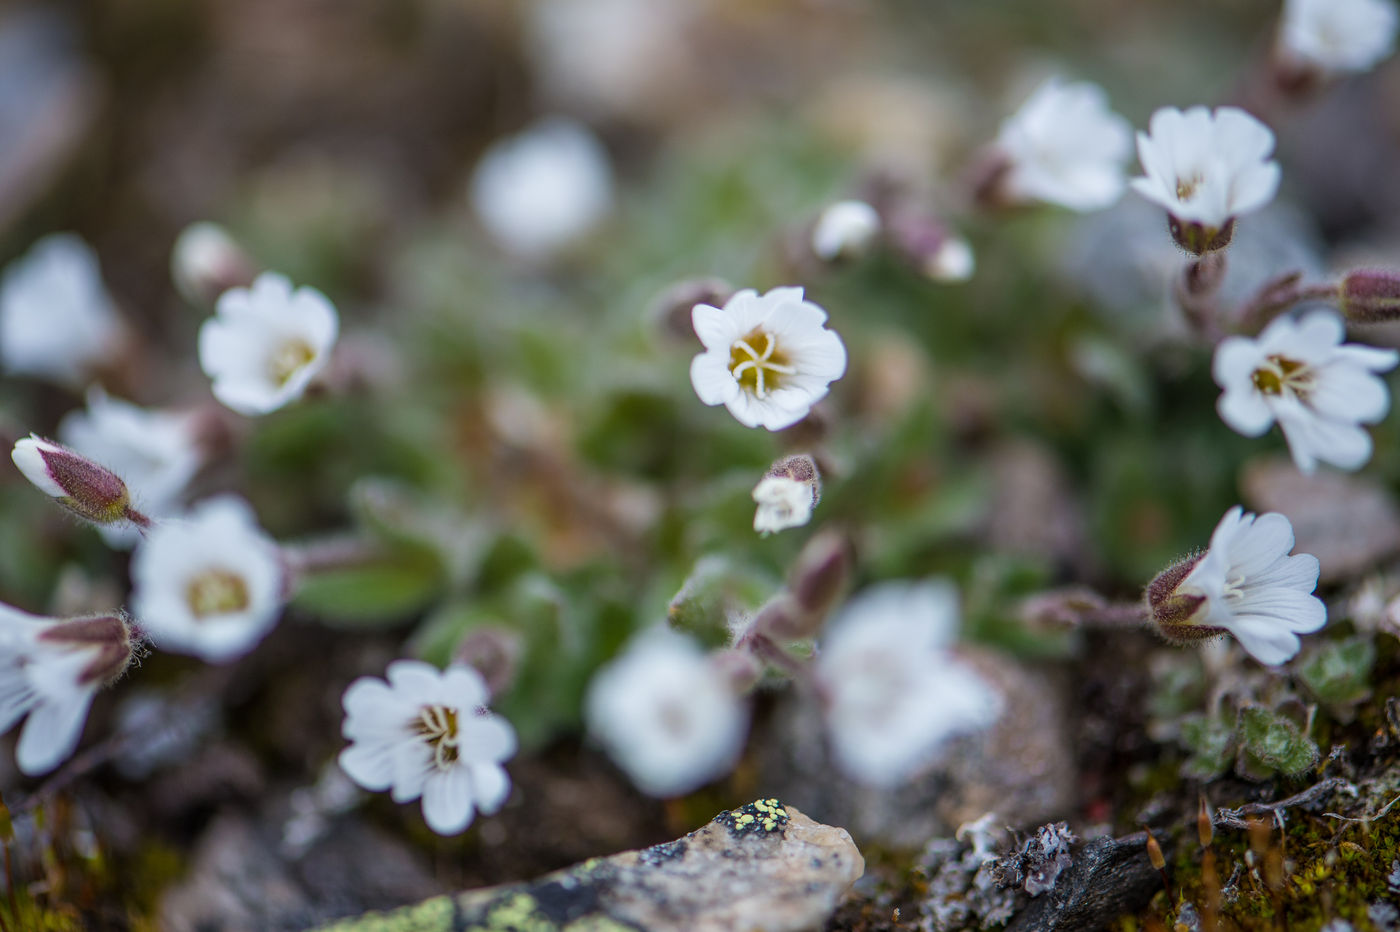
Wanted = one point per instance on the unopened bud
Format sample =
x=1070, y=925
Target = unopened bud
x=821, y=572
x=494, y=652
x=845, y=230
x=206, y=262
x=107, y=638
x=1370, y=296
x=1177, y=614
x=786, y=494
x=740, y=668
x=671, y=309
x=1199, y=239
x=784, y=620
x=92, y=492
x=931, y=247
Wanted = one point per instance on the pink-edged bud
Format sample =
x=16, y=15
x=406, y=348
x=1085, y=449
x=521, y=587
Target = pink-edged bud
x=1370, y=296
x=92, y=492
x=823, y=568
x=1199, y=239
x=494, y=652
x=786, y=494
x=206, y=262
x=783, y=619
x=1177, y=614
x=106, y=638
x=931, y=246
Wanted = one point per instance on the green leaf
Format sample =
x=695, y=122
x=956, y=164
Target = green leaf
x=1275, y=742
x=1338, y=673
x=1211, y=740
x=370, y=596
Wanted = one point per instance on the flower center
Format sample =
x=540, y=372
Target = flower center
x=1186, y=188
x=757, y=363
x=437, y=725
x=1279, y=374
x=1234, y=586
x=289, y=359
x=216, y=592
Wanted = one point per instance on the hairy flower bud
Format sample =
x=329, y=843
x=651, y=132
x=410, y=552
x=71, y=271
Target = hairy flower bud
x=1177, y=615
x=821, y=572
x=92, y=492
x=107, y=638
x=1370, y=296
x=786, y=494
x=206, y=262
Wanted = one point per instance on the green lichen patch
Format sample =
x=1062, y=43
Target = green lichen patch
x=763, y=816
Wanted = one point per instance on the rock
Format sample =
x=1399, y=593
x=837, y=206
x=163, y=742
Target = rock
x=1109, y=877
x=763, y=867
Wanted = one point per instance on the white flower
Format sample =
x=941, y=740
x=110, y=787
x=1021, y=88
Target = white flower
x=426, y=732
x=666, y=714
x=845, y=230
x=953, y=261
x=782, y=503
x=1299, y=373
x=541, y=190
x=767, y=359
x=1065, y=146
x=155, y=452
x=266, y=343
x=1206, y=167
x=893, y=693
x=206, y=262
x=50, y=670
x=56, y=319
x=1253, y=589
x=1339, y=35
x=209, y=584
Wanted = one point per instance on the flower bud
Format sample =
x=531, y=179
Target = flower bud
x=784, y=620
x=821, y=572
x=107, y=638
x=931, y=247
x=670, y=310
x=1199, y=239
x=1370, y=296
x=740, y=668
x=1177, y=614
x=786, y=494
x=206, y=262
x=92, y=492
x=845, y=230
x=494, y=652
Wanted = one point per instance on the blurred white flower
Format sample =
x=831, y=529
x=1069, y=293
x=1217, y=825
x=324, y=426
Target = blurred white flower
x=266, y=343
x=1338, y=35
x=83, y=487
x=786, y=494
x=1065, y=146
x=426, y=732
x=208, y=584
x=666, y=714
x=155, y=452
x=1252, y=588
x=767, y=359
x=953, y=261
x=206, y=262
x=846, y=230
x=1206, y=168
x=1299, y=373
x=893, y=693
x=50, y=670
x=57, y=321
x=541, y=190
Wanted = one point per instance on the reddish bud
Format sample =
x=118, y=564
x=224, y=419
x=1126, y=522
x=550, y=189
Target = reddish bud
x=92, y=492
x=106, y=637
x=1370, y=296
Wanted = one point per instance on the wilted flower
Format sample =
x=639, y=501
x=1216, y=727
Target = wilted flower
x=786, y=494
x=1338, y=35
x=767, y=359
x=266, y=343
x=1299, y=373
x=427, y=732
x=85, y=488
x=155, y=452
x=1246, y=584
x=1064, y=146
x=206, y=262
x=893, y=693
x=1206, y=168
x=845, y=230
x=539, y=191
x=209, y=584
x=57, y=321
x=50, y=670
x=666, y=714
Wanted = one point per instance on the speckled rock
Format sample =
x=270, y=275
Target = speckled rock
x=763, y=867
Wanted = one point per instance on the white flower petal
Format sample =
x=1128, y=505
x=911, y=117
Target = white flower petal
x=447, y=801
x=52, y=731
x=490, y=787
x=372, y=767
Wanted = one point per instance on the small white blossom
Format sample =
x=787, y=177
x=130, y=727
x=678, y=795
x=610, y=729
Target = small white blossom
x=767, y=359
x=155, y=452
x=57, y=321
x=208, y=584
x=666, y=714
x=782, y=503
x=50, y=670
x=426, y=732
x=1320, y=390
x=1253, y=588
x=1338, y=35
x=893, y=692
x=846, y=229
x=1207, y=167
x=1065, y=146
x=953, y=261
x=206, y=262
x=541, y=190
x=266, y=343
